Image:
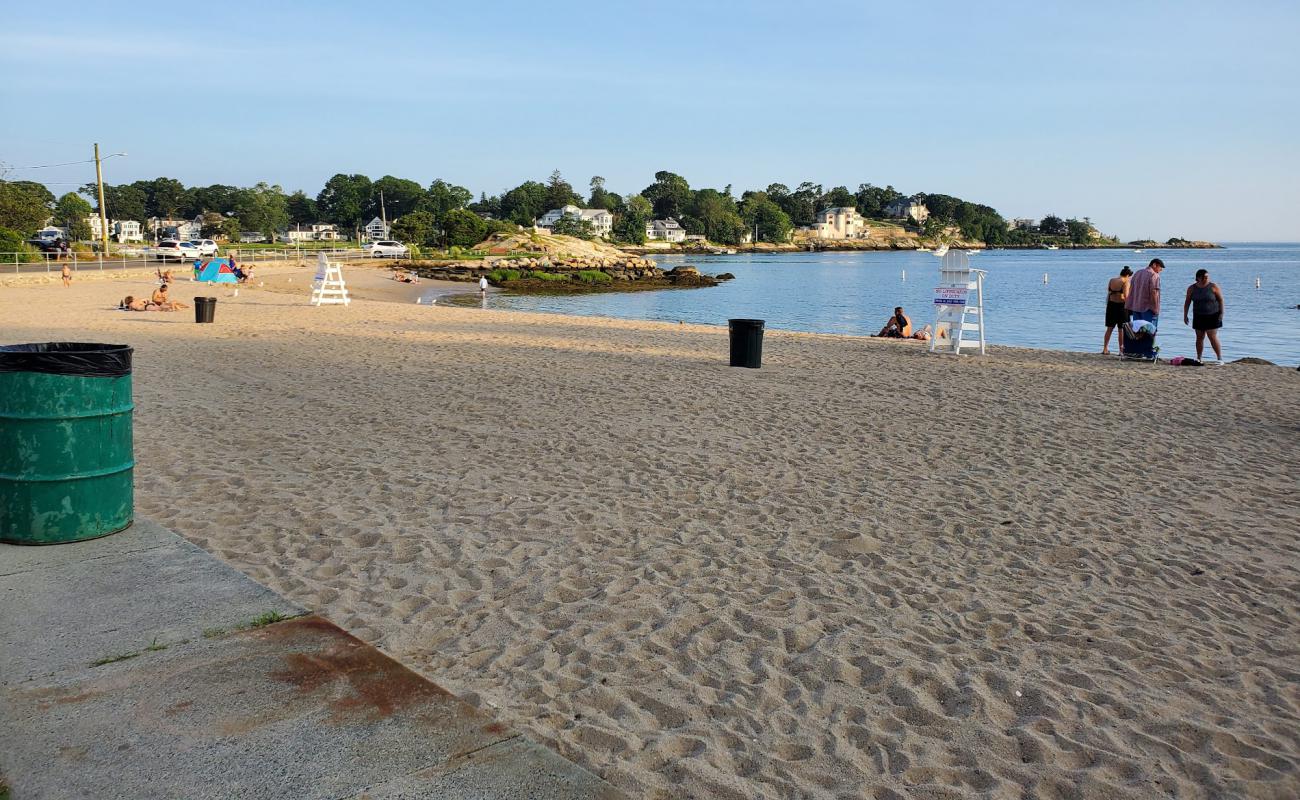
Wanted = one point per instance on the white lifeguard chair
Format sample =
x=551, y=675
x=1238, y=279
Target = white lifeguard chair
x=958, y=306
x=327, y=288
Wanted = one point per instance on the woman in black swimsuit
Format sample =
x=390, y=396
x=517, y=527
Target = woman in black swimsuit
x=1116, y=294
x=1206, y=301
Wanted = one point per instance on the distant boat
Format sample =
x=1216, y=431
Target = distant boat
x=1053, y=247
x=922, y=249
x=942, y=251
x=1137, y=251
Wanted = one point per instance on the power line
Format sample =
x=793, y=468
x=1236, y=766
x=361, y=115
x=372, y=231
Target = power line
x=64, y=164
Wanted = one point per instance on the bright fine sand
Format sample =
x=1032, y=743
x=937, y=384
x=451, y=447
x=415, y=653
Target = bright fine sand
x=861, y=571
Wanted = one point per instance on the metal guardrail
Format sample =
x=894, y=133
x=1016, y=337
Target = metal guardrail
x=144, y=257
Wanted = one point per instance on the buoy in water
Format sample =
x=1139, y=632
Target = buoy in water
x=1256, y=281
x=1044, y=278
x=904, y=276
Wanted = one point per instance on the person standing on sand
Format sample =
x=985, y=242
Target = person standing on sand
x=1206, y=302
x=1144, y=293
x=67, y=276
x=1116, y=314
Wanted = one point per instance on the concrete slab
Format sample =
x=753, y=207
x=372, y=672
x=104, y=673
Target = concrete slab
x=297, y=708
x=134, y=588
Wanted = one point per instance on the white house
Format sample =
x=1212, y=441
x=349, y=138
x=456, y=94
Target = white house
x=842, y=222
x=376, y=229
x=125, y=230
x=181, y=229
x=1020, y=223
x=908, y=208
x=602, y=222
x=315, y=232
x=669, y=230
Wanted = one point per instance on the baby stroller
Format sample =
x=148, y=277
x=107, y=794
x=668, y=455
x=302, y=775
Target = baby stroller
x=1138, y=340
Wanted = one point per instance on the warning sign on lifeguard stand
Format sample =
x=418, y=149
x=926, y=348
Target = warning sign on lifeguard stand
x=327, y=288
x=958, y=306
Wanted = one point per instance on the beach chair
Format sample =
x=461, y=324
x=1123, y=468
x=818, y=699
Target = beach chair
x=1138, y=340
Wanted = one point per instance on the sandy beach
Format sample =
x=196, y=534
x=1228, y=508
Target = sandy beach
x=861, y=571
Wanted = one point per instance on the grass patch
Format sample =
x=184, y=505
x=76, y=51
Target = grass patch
x=99, y=662
x=154, y=646
x=262, y=620
x=549, y=277
x=593, y=276
x=212, y=633
x=4, y=788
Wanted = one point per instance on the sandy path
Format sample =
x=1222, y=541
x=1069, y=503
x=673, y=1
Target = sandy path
x=708, y=582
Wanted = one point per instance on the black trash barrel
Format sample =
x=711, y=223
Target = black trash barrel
x=746, y=342
x=204, y=308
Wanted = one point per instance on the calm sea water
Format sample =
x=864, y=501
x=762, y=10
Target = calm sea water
x=854, y=293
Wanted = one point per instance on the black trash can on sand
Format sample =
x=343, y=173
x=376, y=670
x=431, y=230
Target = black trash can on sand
x=205, y=308
x=746, y=342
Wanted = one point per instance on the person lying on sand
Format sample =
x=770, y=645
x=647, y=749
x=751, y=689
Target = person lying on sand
x=164, y=302
x=403, y=277
x=132, y=303
x=923, y=334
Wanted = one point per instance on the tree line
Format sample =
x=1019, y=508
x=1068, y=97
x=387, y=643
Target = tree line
x=444, y=214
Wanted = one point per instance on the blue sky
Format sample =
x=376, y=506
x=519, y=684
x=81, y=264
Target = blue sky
x=1153, y=118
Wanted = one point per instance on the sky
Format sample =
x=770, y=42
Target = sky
x=1154, y=119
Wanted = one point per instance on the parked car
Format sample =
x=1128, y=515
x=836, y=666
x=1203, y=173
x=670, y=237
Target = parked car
x=206, y=247
x=385, y=249
x=170, y=248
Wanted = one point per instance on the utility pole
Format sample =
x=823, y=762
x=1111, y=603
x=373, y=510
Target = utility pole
x=103, y=217
x=383, y=214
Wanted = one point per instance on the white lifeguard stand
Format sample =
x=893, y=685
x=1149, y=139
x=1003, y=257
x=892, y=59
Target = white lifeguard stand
x=327, y=288
x=958, y=306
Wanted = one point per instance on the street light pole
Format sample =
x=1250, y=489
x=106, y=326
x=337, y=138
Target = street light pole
x=103, y=217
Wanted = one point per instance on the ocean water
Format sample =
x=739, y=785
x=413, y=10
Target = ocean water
x=854, y=293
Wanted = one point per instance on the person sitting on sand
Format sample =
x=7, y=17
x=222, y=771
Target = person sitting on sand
x=899, y=326
x=133, y=303
x=164, y=302
x=164, y=275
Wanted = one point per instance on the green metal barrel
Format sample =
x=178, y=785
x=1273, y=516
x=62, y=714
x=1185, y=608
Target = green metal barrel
x=66, y=456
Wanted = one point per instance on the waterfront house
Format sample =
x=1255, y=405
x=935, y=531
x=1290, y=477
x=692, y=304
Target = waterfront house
x=315, y=232
x=251, y=237
x=602, y=222
x=376, y=229
x=180, y=229
x=841, y=222
x=1021, y=224
x=668, y=230
x=908, y=208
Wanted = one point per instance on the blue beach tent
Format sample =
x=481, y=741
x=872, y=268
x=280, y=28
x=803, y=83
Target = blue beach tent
x=217, y=270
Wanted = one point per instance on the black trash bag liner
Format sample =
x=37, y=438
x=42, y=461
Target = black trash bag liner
x=82, y=359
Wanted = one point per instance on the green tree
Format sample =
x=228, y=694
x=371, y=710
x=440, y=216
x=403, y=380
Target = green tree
x=463, y=228
x=263, y=208
x=559, y=193
x=600, y=197
x=759, y=211
x=871, y=200
x=70, y=213
x=400, y=196
x=417, y=227
x=839, y=197
x=164, y=197
x=1053, y=225
x=486, y=205
x=13, y=242
x=714, y=215
x=231, y=228
x=568, y=225
x=630, y=220
x=24, y=206
x=218, y=197
x=670, y=195
x=344, y=200
x=1079, y=231
x=442, y=197
x=302, y=209
x=122, y=202
x=524, y=203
